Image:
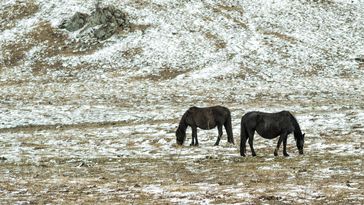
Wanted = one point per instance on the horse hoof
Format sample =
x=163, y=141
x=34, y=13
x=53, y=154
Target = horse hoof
x=191, y=144
x=275, y=154
x=254, y=155
x=216, y=144
x=286, y=155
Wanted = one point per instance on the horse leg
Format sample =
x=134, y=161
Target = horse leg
x=251, y=138
x=229, y=131
x=278, y=145
x=285, y=146
x=194, y=135
x=243, y=146
x=219, y=127
x=243, y=138
x=193, y=141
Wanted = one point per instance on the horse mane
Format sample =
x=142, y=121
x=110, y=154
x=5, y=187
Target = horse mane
x=182, y=123
x=297, y=130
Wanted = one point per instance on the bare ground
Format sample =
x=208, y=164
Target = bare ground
x=99, y=163
x=95, y=134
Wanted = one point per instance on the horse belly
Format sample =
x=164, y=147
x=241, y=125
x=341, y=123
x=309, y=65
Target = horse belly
x=206, y=125
x=267, y=134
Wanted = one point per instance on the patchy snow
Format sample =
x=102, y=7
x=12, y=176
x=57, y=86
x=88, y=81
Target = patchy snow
x=214, y=71
x=246, y=55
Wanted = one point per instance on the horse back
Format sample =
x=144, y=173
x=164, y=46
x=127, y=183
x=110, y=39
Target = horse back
x=208, y=117
x=268, y=125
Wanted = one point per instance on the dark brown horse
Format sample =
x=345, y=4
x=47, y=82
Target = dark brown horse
x=270, y=126
x=205, y=118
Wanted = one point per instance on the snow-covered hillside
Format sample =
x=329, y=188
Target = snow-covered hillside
x=68, y=92
x=250, y=48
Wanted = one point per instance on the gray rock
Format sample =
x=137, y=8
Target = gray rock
x=104, y=22
x=76, y=22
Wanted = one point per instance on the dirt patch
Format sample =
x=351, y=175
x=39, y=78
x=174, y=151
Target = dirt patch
x=20, y=10
x=141, y=4
x=280, y=36
x=126, y=179
x=139, y=27
x=58, y=42
x=164, y=74
x=132, y=52
x=221, y=7
x=215, y=39
x=320, y=2
x=15, y=52
x=224, y=10
x=314, y=70
x=52, y=42
x=33, y=128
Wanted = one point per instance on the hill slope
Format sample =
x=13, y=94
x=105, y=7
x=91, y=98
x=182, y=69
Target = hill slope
x=101, y=112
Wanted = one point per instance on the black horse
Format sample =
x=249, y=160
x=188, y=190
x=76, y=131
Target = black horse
x=205, y=118
x=269, y=126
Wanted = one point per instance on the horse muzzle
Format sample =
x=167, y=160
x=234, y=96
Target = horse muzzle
x=179, y=142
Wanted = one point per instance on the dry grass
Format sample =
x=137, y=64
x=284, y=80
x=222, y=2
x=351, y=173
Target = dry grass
x=217, y=42
x=15, y=52
x=127, y=179
x=54, y=42
x=313, y=71
x=139, y=27
x=132, y=52
x=33, y=145
x=40, y=67
x=165, y=73
x=141, y=4
x=224, y=10
x=280, y=36
x=20, y=10
x=221, y=8
x=320, y=1
x=33, y=128
x=217, y=176
x=170, y=73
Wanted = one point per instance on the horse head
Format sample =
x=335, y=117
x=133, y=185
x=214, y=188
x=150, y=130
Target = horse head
x=300, y=141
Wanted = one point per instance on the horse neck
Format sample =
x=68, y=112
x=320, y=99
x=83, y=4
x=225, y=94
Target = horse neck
x=298, y=133
x=182, y=127
x=182, y=124
x=297, y=130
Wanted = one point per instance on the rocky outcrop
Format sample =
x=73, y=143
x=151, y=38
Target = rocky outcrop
x=100, y=24
x=76, y=22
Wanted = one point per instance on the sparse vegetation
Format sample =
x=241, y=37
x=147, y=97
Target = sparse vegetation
x=90, y=121
x=10, y=15
x=14, y=52
x=130, y=53
x=217, y=42
x=217, y=179
x=280, y=36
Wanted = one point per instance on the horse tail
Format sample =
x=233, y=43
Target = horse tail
x=243, y=136
x=229, y=129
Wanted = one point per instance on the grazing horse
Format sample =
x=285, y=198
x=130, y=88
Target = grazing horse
x=269, y=126
x=205, y=118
